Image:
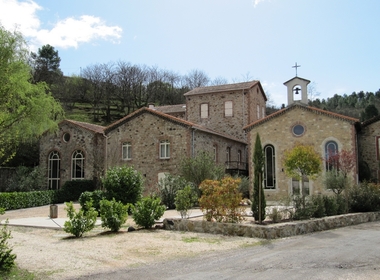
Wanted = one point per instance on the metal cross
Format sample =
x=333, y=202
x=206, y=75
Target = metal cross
x=296, y=66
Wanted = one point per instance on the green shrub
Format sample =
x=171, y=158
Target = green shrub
x=244, y=187
x=276, y=215
x=72, y=190
x=27, y=179
x=113, y=214
x=81, y=221
x=124, y=184
x=184, y=200
x=95, y=197
x=331, y=205
x=18, y=200
x=221, y=200
x=147, y=211
x=319, y=206
x=365, y=197
x=303, y=208
x=168, y=187
x=7, y=258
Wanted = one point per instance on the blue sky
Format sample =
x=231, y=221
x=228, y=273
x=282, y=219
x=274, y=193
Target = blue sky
x=336, y=42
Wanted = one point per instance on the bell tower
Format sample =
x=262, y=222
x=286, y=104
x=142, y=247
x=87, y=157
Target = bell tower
x=297, y=89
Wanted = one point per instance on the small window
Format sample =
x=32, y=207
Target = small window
x=228, y=154
x=298, y=130
x=296, y=187
x=228, y=109
x=258, y=111
x=164, y=149
x=331, y=149
x=127, y=151
x=66, y=137
x=54, y=170
x=204, y=111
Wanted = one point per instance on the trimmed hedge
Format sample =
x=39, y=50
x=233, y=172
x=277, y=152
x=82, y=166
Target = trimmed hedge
x=70, y=191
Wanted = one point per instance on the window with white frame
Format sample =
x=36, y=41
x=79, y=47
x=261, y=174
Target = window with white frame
x=204, y=110
x=331, y=149
x=77, y=165
x=296, y=186
x=228, y=109
x=164, y=149
x=127, y=151
x=54, y=170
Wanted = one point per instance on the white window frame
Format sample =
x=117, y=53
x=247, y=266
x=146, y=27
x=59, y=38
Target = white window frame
x=77, y=165
x=204, y=110
x=54, y=162
x=127, y=151
x=228, y=109
x=164, y=149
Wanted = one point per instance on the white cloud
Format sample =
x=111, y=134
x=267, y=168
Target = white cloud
x=66, y=33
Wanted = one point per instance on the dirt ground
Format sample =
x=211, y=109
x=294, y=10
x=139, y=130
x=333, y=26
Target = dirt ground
x=54, y=254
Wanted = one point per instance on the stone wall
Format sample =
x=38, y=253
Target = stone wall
x=272, y=231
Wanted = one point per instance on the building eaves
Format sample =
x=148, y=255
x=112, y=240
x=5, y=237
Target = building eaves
x=88, y=126
x=303, y=107
x=222, y=88
x=178, y=108
x=370, y=121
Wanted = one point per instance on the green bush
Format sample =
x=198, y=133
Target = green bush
x=365, y=197
x=18, y=200
x=147, y=211
x=81, y=221
x=72, y=190
x=27, y=179
x=184, y=200
x=124, y=184
x=95, y=197
x=7, y=258
x=303, y=208
x=331, y=205
x=244, y=187
x=113, y=214
x=319, y=206
x=168, y=187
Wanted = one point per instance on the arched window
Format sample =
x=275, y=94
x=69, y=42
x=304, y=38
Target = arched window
x=269, y=167
x=77, y=166
x=53, y=170
x=331, y=149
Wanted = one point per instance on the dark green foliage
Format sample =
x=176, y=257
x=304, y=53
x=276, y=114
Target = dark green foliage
x=147, y=211
x=113, y=214
x=95, y=197
x=18, y=200
x=184, y=200
x=7, y=258
x=304, y=208
x=27, y=179
x=258, y=203
x=341, y=203
x=369, y=112
x=244, y=186
x=80, y=222
x=319, y=206
x=331, y=205
x=124, y=184
x=365, y=198
x=72, y=190
x=168, y=188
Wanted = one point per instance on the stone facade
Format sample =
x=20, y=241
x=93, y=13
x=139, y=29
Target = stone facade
x=369, y=155
x=320, y=127
x=141, y=134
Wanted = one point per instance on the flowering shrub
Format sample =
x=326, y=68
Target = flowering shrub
x=221, y=200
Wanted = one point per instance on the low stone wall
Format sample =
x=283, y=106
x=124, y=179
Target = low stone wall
x=271, y=231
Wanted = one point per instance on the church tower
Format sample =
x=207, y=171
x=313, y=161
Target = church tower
x=297, y=90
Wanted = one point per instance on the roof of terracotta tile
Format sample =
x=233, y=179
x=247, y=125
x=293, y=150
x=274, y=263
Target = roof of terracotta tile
x=222, y=88
x=178, y=108
x=370, y=121
x=169, y=118
x=298, y=105
x=87, y=126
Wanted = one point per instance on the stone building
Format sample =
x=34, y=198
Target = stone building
x=299, y=123
x=154, y=140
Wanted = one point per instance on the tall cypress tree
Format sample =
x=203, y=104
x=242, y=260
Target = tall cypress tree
x=258, y=203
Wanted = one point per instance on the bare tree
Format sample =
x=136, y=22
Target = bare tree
x=196, y=78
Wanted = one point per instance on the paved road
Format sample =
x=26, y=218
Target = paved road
x=345, y=253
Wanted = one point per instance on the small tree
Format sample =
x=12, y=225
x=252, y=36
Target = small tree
x=258, y=203
x=7, y=258
x=81, y=221
x=124, y=184
x=302, y=162
x=184, y=200
x=147, y=211
x=113, y=214
x=200, y=168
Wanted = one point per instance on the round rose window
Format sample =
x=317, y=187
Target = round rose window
x=66, y=137
x=298, y=130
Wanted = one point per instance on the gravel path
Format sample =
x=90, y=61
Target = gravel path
x=54, y=254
